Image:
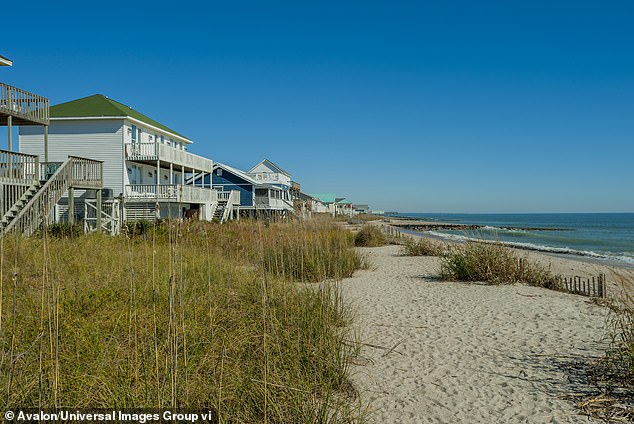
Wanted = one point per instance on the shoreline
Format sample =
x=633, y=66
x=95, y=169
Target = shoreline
x=406, y=226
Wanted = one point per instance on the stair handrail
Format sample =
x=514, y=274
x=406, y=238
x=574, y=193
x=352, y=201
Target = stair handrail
x=74, y=172
x=38, y=206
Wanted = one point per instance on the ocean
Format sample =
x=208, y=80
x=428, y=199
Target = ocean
x=603, y=236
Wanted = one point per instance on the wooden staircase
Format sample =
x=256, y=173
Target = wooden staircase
x=35, y=205
x=227, y=202
x=220, y=211
x=15, y=209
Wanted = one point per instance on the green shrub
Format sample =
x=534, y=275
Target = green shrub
x=136, y=228
x=370, y=236
x=65, y=230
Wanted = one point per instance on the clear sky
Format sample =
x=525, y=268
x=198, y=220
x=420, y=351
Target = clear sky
x=419, y=106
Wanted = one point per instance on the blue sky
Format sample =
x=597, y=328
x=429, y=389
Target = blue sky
x=446, y=106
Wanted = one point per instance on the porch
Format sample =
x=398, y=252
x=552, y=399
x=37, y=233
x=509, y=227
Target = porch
x=152, y=153
x=170, y=192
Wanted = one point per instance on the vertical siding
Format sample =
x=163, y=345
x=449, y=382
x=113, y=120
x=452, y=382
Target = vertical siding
x=93, y=139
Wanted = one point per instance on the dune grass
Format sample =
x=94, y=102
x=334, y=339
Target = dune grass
x=422, y=247
x=187, y=315
x=617, y=366
x=370, y=236
x=493, y=263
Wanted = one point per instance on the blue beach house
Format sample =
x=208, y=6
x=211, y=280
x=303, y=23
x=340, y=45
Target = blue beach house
x=264, y=191
x=227, y=178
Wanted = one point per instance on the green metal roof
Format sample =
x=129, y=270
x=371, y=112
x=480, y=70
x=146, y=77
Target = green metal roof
x=325, y=197
x=99, y=105
x=344, y=202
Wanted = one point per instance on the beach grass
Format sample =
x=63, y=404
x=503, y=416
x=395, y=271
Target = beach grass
x=493, y=263
x=617, y=365
x=370, y=236
x=422, y=247
x=180, y=315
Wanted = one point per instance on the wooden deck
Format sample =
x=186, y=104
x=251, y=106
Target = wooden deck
x=19, y=107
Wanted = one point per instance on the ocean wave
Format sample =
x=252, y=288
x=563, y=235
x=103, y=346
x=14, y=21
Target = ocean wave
x=624, y=257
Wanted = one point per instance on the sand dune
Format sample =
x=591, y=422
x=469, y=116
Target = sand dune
x=451, y=352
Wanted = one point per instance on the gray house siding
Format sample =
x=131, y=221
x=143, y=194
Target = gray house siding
x=93, y=139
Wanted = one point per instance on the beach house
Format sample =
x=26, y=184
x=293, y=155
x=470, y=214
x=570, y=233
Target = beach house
x=29, y=186
x=344, y=206
x=265, y=190
x=148, y=172
x=325, y=203
x=360, y=209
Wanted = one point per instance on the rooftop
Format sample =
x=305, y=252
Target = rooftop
x=99, y=106
x=325, y=197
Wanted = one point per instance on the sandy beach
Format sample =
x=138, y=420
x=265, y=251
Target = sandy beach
x=450, y=352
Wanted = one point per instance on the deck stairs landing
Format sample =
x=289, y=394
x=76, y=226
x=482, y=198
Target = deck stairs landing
x=35, y=205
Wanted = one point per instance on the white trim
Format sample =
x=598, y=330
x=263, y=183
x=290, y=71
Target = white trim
x=5, y=62
x=129, y=118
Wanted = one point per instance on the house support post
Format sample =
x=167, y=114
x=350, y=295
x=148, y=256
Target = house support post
x=45, y=144
x=10, y=133
x=171, y=181
x=99, y=204
x=71, y=205
x=180, y=206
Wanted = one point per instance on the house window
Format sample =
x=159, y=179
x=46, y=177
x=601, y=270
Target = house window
x=162, y=140
x=134, y=139
x=219, y=172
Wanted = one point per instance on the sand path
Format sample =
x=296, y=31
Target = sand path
x=463, y=353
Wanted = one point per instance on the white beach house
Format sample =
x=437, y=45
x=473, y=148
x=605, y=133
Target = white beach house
x=147, y=169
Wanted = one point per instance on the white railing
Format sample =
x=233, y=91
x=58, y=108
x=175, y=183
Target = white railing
x=231, y=197
x=24, y=105
x=272, y=203
x=141, y=151
x=171, y=192
x=109, y=221
x=169, y=154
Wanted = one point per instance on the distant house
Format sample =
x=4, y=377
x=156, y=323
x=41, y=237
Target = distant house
x=343, y=206
x=146, y=165
x=326, y=203
x=266, y=189
x=361, y=209
x=266, y=172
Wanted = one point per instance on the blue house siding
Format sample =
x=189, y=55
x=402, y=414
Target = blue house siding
x=229, y=181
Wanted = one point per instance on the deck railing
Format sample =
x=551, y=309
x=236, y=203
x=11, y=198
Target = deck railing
x=18, y=168
x=231, y=197
x=272, y=203
x=86, y=173
x=169, y=154
x=22, y=104
x=171, y=192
